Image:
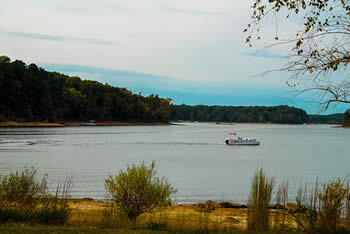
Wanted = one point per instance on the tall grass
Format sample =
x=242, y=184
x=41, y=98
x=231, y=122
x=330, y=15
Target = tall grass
x=321, y=209
x=259, y=201
x=281, y=200
x=306, y=214
x=113, y=217
x=26, y=199
x=64, y=188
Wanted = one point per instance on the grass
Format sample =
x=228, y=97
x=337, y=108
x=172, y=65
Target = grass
x=62, y=229
x=176, y=218
x=259, y=201
x=13, y=229
x=325, y=209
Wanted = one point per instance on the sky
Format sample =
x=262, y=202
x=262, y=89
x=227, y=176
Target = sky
x=191, y=51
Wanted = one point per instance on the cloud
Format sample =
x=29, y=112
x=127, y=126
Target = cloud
x=191, y=12
x=191, y=92
x=265, y=54
x=168, y=47
x=144, y=81
x=47, y=37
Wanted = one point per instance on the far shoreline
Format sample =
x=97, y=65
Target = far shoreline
x=13, y=124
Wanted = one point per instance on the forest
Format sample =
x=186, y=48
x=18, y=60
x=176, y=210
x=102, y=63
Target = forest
x=327, y=119
x=29, y=93
x=258, y=114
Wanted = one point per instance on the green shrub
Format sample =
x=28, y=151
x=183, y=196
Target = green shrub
x=22, y=189
x=138, y=190
x=25, y=199
x=259, y=201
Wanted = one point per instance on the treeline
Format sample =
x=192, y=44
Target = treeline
x=346, y=122
x=29, y=93
x=259, y=114
x=327, y=119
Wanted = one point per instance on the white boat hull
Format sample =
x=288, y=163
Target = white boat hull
x=241, y=142
x=89, y=124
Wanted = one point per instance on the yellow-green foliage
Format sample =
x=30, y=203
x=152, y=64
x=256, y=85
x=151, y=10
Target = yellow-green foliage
x=25, y=199
x=320, y=210
x=138, y=190
x=21, y=189
x=332, y=203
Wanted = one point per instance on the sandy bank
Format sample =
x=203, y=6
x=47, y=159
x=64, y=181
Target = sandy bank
x=88, y=211
x=29, y=124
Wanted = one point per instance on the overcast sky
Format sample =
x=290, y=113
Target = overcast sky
x=191, y=51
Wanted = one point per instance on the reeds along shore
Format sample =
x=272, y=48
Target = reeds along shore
x=320, y=208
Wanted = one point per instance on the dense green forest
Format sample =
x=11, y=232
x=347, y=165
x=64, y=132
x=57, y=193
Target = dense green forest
x=261, y=114
x=29, y=93
x=346, y=121
x=327, y=119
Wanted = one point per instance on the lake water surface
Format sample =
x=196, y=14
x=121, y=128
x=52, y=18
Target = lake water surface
x=192, y=156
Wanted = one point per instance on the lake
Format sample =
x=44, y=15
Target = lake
x=192, y=156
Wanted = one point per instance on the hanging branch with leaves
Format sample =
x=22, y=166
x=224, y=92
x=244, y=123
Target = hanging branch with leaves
x=320, y=46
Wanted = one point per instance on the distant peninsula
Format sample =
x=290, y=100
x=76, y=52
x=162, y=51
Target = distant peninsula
x=29, y=94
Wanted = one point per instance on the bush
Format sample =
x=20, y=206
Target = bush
x=22, y=189
x=138, y=190
x=320, y=210
x=332, y=203
x=24, y=199
x=259, y=201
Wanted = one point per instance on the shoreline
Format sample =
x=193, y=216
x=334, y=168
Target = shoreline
x=264, y=123
x=11, y=124
x=14, y=124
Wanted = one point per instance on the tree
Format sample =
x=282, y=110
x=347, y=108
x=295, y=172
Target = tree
x=138, y=190
x=320, y=47
x=4, y=59
x=346, y=121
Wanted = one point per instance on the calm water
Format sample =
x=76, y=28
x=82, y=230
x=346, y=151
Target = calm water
x=192, y=156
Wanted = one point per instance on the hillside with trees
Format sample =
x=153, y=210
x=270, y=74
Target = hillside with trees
x=29, y=93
